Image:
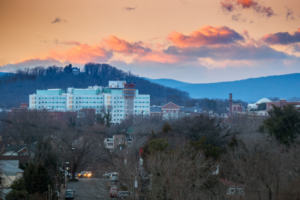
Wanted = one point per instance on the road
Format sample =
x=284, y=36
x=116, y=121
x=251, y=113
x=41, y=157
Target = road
x=89, y=188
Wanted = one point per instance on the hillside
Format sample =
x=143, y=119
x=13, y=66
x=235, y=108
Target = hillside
x=15, y=88
x=251, y=90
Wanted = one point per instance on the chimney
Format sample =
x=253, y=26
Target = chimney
x=230, y=104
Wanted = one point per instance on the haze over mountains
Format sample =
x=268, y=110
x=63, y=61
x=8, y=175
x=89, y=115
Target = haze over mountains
x=250, y=90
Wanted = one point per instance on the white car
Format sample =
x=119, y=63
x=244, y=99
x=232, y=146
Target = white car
x=106, y=175
x=114, y=176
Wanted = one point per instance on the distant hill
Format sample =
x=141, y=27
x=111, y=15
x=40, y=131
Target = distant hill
x=3, y=73
x=282, y=86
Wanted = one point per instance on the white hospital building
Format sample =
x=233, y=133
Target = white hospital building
x=120, y=97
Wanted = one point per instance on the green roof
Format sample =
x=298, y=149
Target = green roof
x=49, y=92
x=106, y=90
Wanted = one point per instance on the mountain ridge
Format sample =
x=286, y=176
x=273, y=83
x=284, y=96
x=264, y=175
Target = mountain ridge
x=251, y=90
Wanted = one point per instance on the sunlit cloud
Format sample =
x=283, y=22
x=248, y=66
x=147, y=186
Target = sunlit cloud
x=207, y=35
x=122, y=46
x=83, y=53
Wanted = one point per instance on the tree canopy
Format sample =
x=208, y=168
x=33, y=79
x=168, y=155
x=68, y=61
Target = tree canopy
x=283, y=123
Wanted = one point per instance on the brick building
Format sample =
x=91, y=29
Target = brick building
x=281, y=103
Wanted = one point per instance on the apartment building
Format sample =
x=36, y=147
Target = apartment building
x=117, y=140
x=120, y=98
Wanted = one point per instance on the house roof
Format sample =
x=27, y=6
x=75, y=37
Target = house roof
x=8, y=169
x=15, y=148
x=170, y=105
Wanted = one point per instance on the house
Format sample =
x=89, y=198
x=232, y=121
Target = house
x=10, y=172
x=173, y=111
x=117, y=140
x=16, y=152
x=232, y=188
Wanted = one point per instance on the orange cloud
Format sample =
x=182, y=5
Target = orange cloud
x=207, y=35
x=122, y=46
x=247, y=3
x=83, y=53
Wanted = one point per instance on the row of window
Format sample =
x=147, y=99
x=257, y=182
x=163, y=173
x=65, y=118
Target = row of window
x=117, y=97
x=88, y=106
x=141, y=98
x=53, y=107
x=141, y=102
x=88, y=102
x=52, y=98
x=41, y=102
x=141, y=110
x=118, y=106
x=118, y=101
x=141, y=106
x=115, y=115
x=88, y=97
x=118, y=110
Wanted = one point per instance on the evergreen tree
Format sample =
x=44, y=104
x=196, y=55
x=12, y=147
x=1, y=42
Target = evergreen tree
x=283, y=123
x=166, y=128
x=36, y=178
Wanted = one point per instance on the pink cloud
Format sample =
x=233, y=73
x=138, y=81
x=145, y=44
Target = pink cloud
x=206, y=35
x=83, y=53
x=122, y=46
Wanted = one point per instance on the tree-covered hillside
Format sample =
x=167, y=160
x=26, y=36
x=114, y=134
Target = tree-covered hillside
x=15, y=88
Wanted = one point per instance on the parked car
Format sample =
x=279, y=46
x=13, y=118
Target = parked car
x=113, y=192
x=106, y=175
x=84, y=174
x=123, y=194
x=69, y=194
x=114, y=176
x=111, y=184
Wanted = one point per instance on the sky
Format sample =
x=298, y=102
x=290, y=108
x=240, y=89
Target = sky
x=187, y=40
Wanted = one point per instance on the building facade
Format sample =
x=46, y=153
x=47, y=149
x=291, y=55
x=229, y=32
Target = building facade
x=173, y=111
x=281, y=103
x=120, y=98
